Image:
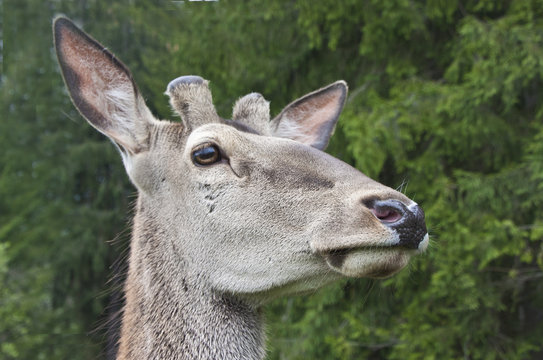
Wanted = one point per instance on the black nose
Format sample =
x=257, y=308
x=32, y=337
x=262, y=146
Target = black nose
x=407, y=222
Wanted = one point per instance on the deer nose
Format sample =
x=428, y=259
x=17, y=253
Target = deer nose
x=407, y=221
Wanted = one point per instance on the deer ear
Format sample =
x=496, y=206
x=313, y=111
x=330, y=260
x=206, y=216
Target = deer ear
x=312, y=118
x=101, y=88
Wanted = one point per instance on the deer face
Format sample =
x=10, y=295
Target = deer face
x=258, y=214
x=251, y=206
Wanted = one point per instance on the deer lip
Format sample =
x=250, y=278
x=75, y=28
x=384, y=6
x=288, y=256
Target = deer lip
x=336, y=257
x=342, y=251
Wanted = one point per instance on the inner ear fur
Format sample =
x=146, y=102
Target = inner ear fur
x=101, y=87
x=312, y=118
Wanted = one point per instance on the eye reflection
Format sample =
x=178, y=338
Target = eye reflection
x=206, y=154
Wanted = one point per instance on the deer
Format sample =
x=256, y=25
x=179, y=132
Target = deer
x=231, y=213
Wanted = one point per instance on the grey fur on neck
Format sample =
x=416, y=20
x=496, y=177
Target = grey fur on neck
x=170, y=313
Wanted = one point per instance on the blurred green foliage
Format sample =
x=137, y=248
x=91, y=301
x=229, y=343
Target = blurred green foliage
x=445, y=103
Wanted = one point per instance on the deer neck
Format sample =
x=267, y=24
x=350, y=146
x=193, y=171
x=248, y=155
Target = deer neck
x=171, y=314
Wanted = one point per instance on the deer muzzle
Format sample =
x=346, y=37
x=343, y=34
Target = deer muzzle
x=406, y=221
x=399, y=232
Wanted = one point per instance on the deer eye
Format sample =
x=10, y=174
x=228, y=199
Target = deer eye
x=206, y=154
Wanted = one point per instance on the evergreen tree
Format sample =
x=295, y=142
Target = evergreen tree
x=444, y=103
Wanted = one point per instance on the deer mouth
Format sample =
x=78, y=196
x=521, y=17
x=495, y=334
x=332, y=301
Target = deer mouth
x=372, y=262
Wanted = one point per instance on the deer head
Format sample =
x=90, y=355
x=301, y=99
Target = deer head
x=250, y=207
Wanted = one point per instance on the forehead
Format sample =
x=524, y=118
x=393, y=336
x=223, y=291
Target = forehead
x=175, y=133
x=224, y=133
x=241, y=127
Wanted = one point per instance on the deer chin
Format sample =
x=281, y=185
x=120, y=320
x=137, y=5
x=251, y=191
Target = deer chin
x=375, y=263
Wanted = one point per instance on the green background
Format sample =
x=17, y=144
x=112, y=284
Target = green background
x=445, y=103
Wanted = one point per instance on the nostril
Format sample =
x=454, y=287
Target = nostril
x=406, y=221
x=386, y=215
x=387, y=211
